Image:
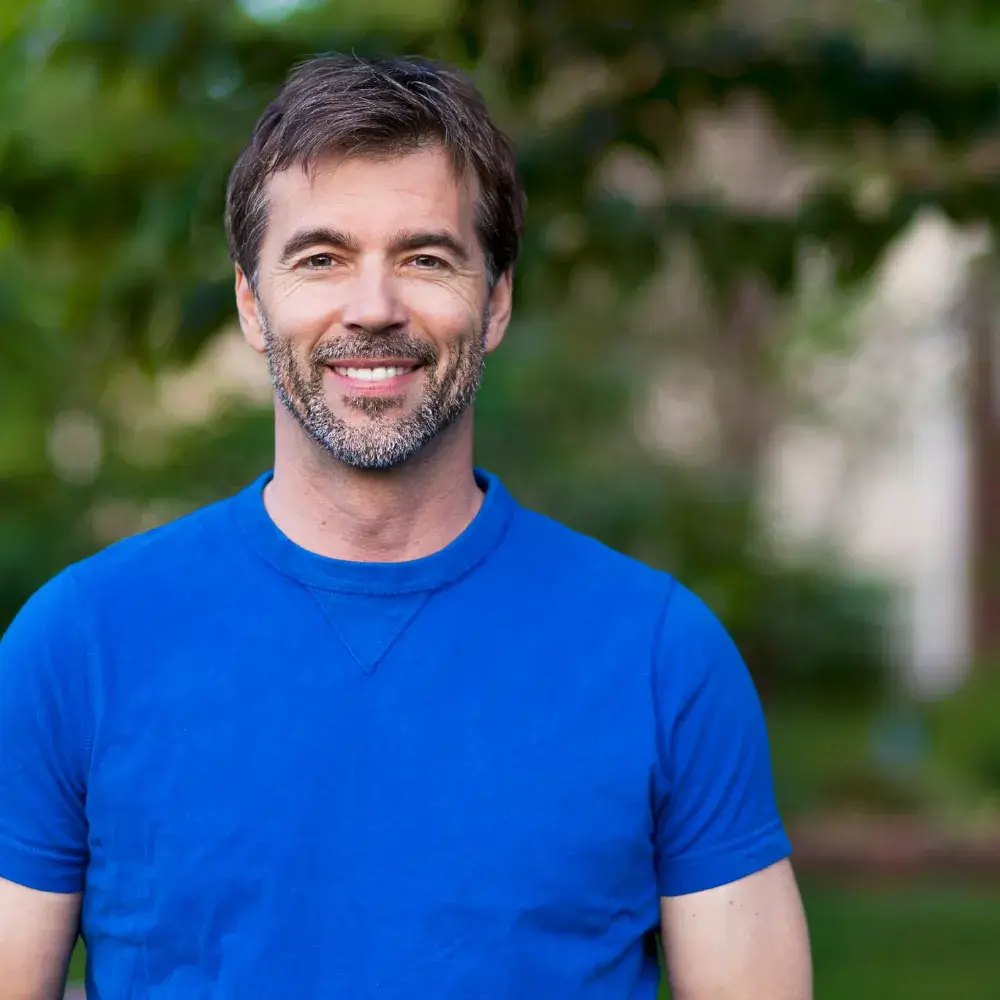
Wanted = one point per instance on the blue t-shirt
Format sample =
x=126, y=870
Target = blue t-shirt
x=275, y=774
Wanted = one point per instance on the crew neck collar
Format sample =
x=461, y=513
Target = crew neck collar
x=428, y=573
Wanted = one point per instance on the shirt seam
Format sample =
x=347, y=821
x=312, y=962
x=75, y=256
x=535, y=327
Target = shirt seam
x=26, y=851
x=656, y=656
x=89, y=728
x=776, y=826
x=368, y=668
x=374, y=591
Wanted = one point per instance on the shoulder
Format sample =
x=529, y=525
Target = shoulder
x=118, y=572
x=642, y=613
x=560, y=554
x=687, y=633
x=623, y=593
x=179, y=538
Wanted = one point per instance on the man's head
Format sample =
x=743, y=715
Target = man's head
x=374, y=219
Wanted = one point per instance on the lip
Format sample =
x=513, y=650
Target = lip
x=384, y=387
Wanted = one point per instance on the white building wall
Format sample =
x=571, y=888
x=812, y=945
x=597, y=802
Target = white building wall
x=885, y=480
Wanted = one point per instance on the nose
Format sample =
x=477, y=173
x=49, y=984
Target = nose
x=372, y=304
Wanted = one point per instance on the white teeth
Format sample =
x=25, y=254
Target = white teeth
x=372, y=374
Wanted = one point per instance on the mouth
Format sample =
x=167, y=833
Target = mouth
x=382, y=376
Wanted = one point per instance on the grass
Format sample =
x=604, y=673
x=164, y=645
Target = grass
x=910, y=943
x=77, y=965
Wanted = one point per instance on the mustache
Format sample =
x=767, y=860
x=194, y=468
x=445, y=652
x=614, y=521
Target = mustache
x=380, y=346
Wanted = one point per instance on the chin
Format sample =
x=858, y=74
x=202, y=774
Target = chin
x=358, y=412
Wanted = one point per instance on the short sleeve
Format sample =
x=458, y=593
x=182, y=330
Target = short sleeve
x=716, y=819
x=44, y=743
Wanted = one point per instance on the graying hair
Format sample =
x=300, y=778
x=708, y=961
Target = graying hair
x=347, y=106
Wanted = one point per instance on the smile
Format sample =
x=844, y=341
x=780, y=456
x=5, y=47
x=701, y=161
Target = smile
x=375, y=373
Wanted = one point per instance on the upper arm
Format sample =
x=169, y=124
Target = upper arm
x=43, y=761
x=716, y=819
x=746, y=939
x=729, y=900
x=44, y=744
x=37, y=933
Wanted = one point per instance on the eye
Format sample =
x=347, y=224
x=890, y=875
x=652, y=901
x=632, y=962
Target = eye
x=427, y=262
x=318, y=262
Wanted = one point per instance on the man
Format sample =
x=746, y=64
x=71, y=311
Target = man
x=370, y=728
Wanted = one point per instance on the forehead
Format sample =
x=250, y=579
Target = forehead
x=372, y=197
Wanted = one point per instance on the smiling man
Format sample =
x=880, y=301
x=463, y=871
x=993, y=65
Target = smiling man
x=369, y=728
x=373, y=402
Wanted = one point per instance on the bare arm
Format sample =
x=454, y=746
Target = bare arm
x=743, y=941
x=37, y=934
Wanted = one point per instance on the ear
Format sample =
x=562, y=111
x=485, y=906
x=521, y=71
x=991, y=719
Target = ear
x=501, y=303
x=249, y=313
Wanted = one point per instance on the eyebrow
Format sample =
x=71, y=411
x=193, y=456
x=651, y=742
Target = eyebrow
x=306, y=238
x=403, y=242
x=406, y=241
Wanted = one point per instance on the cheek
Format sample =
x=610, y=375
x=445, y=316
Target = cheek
x=444, y=314
x=303, y=311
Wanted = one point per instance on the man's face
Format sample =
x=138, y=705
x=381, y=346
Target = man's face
x=373, y=304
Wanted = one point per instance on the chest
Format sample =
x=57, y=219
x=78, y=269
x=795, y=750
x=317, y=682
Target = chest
x=480, y=769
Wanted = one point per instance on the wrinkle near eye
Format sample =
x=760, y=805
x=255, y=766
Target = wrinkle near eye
x=289, y=285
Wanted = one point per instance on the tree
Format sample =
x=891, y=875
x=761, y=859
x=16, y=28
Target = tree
x=119, y=122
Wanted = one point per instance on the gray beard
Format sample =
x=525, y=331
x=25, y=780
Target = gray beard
x=382, y=441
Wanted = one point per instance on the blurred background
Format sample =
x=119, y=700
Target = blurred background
x=756, y=343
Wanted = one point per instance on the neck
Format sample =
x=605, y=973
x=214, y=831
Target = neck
x=361, y=515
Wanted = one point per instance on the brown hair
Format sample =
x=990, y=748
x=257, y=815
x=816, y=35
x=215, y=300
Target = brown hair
x=355, y=107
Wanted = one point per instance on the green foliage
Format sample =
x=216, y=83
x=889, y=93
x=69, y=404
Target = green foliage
x=917, y=942
x=119, y=122
x=815, y=632
x=966, y=744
